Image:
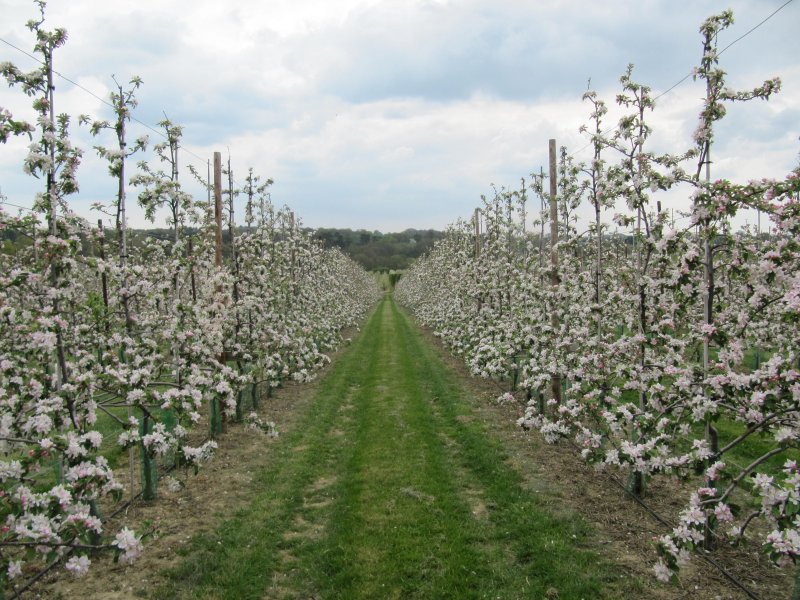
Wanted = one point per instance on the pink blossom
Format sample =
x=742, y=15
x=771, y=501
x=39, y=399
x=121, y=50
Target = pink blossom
x=78, y=565
x=131, y=545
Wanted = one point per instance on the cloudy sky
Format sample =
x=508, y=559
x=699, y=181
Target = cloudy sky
x=388, y=114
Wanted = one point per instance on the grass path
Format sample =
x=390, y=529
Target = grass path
x=388, y=487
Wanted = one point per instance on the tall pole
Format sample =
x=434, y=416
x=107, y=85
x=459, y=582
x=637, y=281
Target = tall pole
x=541, y=230
x=708, y=297
x=555, y=379
x=217, y=414
x=477, y=225
x=218, y=207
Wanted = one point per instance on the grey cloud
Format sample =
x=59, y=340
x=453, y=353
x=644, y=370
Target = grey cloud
x=512, y=50
x=455, y=51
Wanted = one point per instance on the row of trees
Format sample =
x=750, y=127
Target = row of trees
x=669, y=350
x=377, y=251
x=109, y=348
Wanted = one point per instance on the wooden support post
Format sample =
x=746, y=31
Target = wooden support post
x=218, y=207
x=190, y=256
x=477, y=223
x=103, y=276
x=217, y=415
x=555, y=380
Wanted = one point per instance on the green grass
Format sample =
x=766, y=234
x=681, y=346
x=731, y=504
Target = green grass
x=755, y=446
x=388, y=487
x=110, y=429
x=109, y=448
x=745, y=453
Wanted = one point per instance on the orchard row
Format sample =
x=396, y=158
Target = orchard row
x=115, y=350
x=660, y=351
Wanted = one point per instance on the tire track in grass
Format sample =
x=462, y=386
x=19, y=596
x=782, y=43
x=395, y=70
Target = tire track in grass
x=398, y=525
x=390, y=489
x=426, y=517
x=549, y=547
x=259, y=549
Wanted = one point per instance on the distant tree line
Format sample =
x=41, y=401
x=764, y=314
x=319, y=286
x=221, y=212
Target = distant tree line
x=378, y=251
x=374, y=250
